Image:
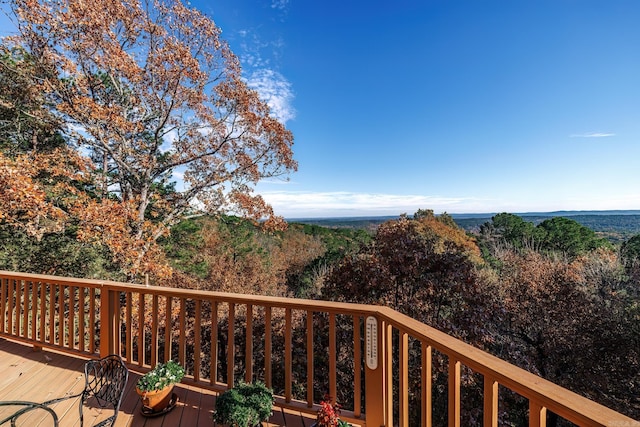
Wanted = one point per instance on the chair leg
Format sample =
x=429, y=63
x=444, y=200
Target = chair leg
x=80, y=407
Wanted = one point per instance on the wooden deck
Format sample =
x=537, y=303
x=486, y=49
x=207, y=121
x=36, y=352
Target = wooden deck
x=37, y=376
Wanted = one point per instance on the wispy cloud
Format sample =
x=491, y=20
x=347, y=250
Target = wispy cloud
x=592, y=135
x=279, y=4
x=313, y=204
x=254, y=52
x=275, y=90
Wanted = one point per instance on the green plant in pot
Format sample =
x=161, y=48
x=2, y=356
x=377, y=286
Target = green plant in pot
x=156, y=386
x=245, y=405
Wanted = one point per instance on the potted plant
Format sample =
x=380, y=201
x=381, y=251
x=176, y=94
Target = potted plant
x=329, y=414
x=156, y=386
x=245, y=405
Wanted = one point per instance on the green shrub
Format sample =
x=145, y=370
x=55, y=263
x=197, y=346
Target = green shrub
x=245, y=405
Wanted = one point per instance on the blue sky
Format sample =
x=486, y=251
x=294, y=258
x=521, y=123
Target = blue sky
x=456, y=106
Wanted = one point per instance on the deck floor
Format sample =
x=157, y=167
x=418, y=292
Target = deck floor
x=37, y=376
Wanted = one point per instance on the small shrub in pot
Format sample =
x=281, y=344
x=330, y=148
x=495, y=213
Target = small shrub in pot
x=245, y=405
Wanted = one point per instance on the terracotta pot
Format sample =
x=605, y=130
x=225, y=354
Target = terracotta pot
x=156, y=400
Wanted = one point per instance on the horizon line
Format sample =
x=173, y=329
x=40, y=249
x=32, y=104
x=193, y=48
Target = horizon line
x=476, y=214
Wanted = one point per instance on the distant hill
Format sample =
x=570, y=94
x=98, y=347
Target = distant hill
x=363, y=222
x=616, y=225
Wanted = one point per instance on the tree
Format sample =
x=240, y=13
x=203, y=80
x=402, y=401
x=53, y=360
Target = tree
x=557, y=234
x=630, y=251
x=511, y=229
x=574, y=322
x=39, y=175
x=150, y=91
x=26, y=125
x=570, y=237
x=232, y=254
x=431, y=270
x=423, y=267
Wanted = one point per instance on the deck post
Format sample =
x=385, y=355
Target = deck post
x=109, y=310
x=375, y=372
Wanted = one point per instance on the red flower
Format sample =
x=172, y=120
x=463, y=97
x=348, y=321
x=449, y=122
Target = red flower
x=328, y=413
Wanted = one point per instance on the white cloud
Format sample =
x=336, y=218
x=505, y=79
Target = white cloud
x=275, y=90
x=252, y=48
x=592, y=135
x=168, y=140
x=336, y=204
x=279, y=4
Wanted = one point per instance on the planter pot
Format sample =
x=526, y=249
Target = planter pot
x=157, y=400
x=315, y=424
x=229, y=425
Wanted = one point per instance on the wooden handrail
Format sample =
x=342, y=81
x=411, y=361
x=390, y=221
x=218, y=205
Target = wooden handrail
x=563, y=402
x=224, y=337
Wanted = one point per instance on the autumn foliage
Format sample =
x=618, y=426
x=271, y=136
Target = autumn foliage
x=570, y=314
x=147, y=90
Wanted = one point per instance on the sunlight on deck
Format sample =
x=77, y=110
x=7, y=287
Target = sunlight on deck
x=32, y=375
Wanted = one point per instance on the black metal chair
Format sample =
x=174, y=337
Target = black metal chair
x=105, y=380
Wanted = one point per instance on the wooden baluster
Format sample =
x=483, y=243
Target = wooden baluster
x=490, y=402
x=4, y=299
x=25, y=308
x=197, y=348
x=537, y=415
x=129, y=328
x=18, y=307
x=92, y=320
x=141, y=329
x=267, y=346
x=310, y=358
x=182, y=345
x=154, y=331
x=333, y=389
x=454, y=393
x=214, y=343
x=288, y=366
x=81, y=318
x=168, y=330
x=60, y=332
x=42, y=335
x=71, y=318
x=248, y=352
x=403, y=392
x=34, y=311
x=10, y=297
x=231, y=345
x=357, y=368
x=427, y=386
x=52, y=313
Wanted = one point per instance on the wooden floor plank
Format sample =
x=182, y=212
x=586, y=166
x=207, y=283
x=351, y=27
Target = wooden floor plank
x=42, y=375
x=130, y=402
x=292, y=418
x=189, y=408
x=277, y=419
x=205, y=416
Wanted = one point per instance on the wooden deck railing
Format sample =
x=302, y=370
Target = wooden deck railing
x=379, y=363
